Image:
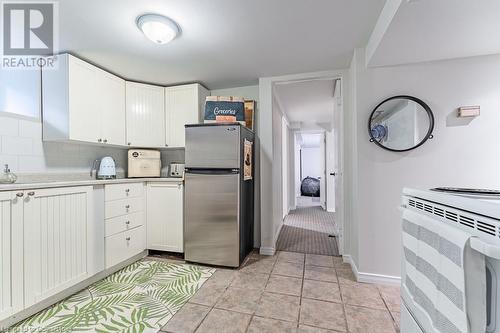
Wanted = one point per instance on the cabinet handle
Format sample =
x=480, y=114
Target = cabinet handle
x=127, y=206
x=129, y=143
x=127, y=222
x=20, y=194
x=99, y=140
x=166, y=145
x=127, y=190
x=128, y=238
x=31, y=194
x=105, y=140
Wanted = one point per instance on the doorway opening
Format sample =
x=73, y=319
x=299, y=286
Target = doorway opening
x=310, y=124
x=309, y=170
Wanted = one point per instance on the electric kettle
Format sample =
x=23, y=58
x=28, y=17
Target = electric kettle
x=107, y=168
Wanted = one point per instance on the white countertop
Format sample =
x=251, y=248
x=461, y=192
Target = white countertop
x=84, y=182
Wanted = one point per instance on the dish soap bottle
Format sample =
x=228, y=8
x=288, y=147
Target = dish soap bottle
x=7, y=177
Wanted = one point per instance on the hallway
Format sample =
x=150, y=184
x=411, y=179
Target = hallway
x=307, y=230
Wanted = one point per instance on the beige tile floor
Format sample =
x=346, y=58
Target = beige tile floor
x=292, y=293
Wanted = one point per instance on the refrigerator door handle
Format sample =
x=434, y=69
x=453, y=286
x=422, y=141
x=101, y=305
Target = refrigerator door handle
x=212, y=171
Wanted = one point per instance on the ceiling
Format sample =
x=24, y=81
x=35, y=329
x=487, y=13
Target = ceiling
x=224, y=43
x=427, y=30
x=307, y=104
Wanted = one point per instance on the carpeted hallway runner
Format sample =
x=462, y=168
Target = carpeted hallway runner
x=307, y=230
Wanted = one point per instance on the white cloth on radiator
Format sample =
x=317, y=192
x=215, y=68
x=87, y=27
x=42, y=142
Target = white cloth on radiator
x=441, y=270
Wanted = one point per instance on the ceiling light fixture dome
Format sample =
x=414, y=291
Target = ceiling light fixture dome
x=159, y=29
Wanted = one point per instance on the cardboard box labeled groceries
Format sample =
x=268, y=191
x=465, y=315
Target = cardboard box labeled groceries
x=220, y=109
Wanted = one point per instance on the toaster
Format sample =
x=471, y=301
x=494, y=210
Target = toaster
x=176, y=170
x=144, y=163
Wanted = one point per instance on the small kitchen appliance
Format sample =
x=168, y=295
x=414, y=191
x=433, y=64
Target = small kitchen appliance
x=144, y=163
x=107, y=168
x=176, y=170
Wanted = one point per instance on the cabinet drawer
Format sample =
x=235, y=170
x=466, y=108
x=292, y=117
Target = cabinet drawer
x=123, y=191
x=125, y=245
x=123, y=207
x=125, y=222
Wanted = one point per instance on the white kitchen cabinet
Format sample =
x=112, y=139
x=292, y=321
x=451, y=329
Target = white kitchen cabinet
x=81, y=102
x=11, y=254
x=124, y=222
x=112, y=105
x=145, y=115
x=183, y=105
x=124, y=245
x=58, y=229
x=165, y=224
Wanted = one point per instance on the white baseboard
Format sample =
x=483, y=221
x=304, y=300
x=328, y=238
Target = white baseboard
x=370, y=277
x=267, y=251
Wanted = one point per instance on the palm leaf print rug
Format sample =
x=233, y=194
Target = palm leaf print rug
x=141, y=297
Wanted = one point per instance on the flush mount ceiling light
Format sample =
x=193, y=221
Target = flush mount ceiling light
x=160, y=29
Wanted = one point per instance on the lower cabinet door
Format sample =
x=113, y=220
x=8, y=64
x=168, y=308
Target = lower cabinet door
x=58, y=223
x=11, y=253
x=165, y=217
x=124, y=245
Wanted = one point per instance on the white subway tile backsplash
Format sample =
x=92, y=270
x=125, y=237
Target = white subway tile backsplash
x=21, y=147
x=9, y=126
x=31, y=164
x=30, y=129
x=15, y=145
x=38, y=148
x=11, y=160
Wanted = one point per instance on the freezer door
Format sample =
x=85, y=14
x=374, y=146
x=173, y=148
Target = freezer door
x=211, y=218
x=213, y=147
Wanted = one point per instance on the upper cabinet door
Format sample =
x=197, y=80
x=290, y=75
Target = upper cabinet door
x=112, y=105
x=11, y=254
x=145, y=115
x=182, y=106
x=84, y=109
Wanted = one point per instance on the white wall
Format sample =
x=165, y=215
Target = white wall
x=462, y=153
x=277, y=123
x=247, y=92
x=296, y=158
x=311, y=162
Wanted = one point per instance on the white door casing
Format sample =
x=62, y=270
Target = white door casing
x=338, y=162
x=322, y=180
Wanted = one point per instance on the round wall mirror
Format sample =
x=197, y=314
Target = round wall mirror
x=401, y=123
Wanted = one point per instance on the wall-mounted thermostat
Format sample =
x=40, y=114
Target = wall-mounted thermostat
x=469, y=111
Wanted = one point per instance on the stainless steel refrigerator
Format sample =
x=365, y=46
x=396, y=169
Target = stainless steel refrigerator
x=219, y=194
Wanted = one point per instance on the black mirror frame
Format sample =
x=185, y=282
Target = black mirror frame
x=416, y=100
